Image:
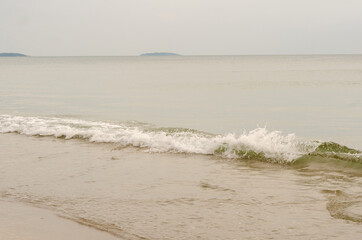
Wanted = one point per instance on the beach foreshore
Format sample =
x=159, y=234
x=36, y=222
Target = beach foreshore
x=55, y=188
x=20, y=221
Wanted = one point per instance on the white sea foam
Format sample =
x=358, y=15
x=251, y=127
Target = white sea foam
x=271, y=144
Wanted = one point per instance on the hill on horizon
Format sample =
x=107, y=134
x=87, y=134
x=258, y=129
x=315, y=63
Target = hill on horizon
x=12, y=55
x=160, y=54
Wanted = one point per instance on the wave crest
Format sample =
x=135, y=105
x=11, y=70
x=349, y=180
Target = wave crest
x=259, y=143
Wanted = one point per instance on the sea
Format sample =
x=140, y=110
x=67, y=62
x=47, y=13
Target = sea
x=187, y=147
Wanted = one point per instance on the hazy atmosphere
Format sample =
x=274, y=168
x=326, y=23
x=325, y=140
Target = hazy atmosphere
x=180, y=119
x=189, y=27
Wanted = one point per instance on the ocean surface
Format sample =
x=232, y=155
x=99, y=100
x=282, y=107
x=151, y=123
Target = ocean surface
x=187, y=147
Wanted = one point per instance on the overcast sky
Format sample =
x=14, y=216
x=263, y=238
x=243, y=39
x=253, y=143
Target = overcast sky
x=189, y=27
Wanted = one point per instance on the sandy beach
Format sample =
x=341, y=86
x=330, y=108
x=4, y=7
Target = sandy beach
x=133, y=194
x=19, y=221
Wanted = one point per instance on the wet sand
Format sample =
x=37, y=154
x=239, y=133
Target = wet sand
x=22, y=222
x=137, y=195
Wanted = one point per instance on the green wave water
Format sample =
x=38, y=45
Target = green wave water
x=259, y=144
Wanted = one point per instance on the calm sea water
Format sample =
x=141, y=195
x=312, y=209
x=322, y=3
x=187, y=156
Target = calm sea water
x=217, y=147
x=315, y=97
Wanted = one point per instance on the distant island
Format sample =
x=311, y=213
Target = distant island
x=12, y=55
x=160, y=54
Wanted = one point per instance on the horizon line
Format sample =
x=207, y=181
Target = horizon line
x=198, y=55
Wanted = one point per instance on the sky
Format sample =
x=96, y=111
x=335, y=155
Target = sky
x=187, y=27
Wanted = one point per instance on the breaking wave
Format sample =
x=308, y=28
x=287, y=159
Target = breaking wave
x=260, y=143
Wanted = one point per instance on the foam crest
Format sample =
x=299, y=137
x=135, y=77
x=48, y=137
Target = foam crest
x=259, y=143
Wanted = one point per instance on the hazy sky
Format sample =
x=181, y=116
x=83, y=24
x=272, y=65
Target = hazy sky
x=189, y=27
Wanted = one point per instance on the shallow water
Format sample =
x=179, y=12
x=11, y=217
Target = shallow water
x=133, y=194
x=315, y=97
x=233, y=147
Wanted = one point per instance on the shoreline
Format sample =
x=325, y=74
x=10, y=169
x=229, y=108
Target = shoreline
x=19, y=221
x=99, y=191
